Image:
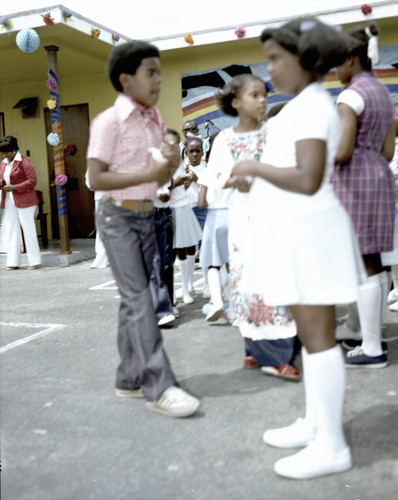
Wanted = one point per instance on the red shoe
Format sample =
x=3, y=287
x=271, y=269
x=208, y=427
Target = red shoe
x=250, y=362
x=288, y=372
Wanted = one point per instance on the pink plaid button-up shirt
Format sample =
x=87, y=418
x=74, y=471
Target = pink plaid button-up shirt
x=120, y=136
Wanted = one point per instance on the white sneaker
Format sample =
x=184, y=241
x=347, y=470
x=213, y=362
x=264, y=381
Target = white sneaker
x=294, y=436
x=187, y=299
x=394, y=307
x=216, y=311
x=314, y=461
x=166, y=320
x=392, y=296
x=125, y=393
x=344, y=332
x=174, y=402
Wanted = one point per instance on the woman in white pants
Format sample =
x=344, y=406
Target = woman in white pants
x=19, y=199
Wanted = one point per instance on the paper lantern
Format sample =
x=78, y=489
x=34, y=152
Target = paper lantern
x=53, y=139
x=240, y=32
x=28, y=40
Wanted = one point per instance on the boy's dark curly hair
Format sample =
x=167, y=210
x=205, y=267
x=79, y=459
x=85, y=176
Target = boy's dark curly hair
x=126, y=58
x=227, y=94
x=319, y=46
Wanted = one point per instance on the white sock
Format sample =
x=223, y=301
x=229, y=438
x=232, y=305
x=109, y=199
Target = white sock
x=310, y=407
x=326, y=372
x=371, y=305
x=191, y=268
x=213, y=277
x=183, y=265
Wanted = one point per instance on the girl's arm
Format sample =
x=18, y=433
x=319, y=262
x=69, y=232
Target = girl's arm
x=305, y=178
x=202, y=202
x=389, y=143
x=348, y=120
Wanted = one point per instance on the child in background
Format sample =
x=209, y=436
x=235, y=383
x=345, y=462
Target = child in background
x=119, y=163
x=194, y=165
x=364, y=183
x=302, y=249
x=187, y=230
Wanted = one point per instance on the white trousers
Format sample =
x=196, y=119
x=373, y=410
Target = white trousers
x=13, y=219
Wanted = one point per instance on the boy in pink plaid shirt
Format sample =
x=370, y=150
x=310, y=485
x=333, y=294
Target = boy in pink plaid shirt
x=121, y=165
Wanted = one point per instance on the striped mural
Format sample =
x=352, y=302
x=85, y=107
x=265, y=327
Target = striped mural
x=199, y=88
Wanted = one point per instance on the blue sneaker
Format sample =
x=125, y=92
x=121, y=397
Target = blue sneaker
x=358, y=359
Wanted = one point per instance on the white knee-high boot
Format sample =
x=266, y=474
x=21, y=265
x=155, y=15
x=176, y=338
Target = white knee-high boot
x=191, y=269
x=328, y=453
x=186, y=297
x=217, y=305
x=371, y=304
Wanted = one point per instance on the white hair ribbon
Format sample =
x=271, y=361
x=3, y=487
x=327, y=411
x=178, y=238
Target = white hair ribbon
x=373, y=47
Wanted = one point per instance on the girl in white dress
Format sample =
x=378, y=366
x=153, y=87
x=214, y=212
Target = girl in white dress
x=269, y=332
x=312, y=260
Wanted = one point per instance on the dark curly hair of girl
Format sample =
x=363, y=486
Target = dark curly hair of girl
x=319, y=46
x=226, y=95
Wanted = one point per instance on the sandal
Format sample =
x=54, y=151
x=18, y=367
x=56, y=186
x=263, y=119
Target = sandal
x=288, y=372
x=12, y=268
x=249, y=362
x=31, y=268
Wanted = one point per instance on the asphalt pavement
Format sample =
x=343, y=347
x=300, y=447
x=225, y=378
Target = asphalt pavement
x=66, y=436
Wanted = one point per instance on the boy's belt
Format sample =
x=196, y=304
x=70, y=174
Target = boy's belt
x=134, y=205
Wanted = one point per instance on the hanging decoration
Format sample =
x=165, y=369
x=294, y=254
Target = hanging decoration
x=28, y=40
x=51, y=83
x=70, y=150
x=61, y=179
x=95, y=32
x=240, y=32
x=51, y=104
x=48, y=19
x=115, y=37
x=366, y=9
x=53, y=139
x=66, y=14
x=188, y=38
x=5, y=23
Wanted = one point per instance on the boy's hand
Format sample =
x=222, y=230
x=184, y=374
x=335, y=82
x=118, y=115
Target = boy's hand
x=171, y=151
x=158, y=171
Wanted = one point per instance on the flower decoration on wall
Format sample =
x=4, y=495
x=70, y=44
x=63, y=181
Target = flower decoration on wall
x=70, y=150
x=5, y=22
x=366, y=9
x=95, y=32
x=240, y=32
x=48, y=19
x=51, y=83
x=188, y=38
x=51, y=104
x=115, y=37
x=61, y=179
x=66, y=14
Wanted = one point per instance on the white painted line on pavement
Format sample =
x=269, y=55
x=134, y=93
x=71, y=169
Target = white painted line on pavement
x=48, y=328
x=105, y=286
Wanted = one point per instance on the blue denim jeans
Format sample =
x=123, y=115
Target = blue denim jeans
x=129, y=240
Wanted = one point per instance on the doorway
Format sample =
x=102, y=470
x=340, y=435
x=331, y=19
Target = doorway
x=75, y=128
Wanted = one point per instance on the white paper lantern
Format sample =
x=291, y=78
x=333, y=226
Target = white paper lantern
x=53, y=139
x=28, y=40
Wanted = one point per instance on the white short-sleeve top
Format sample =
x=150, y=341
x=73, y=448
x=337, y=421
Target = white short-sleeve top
x=310, y=115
